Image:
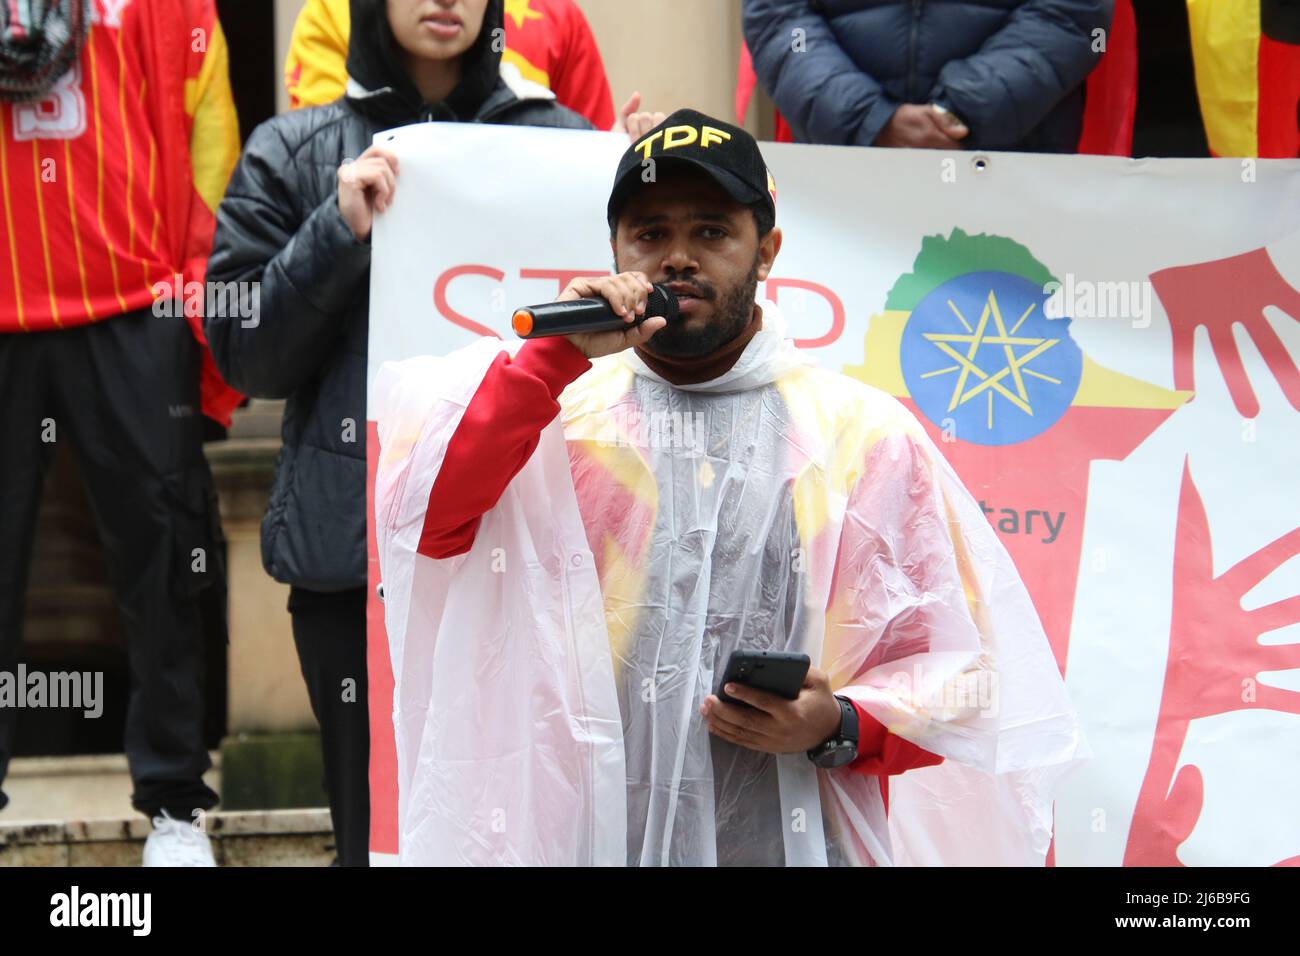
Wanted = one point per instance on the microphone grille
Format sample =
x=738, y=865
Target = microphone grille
x=661, y=302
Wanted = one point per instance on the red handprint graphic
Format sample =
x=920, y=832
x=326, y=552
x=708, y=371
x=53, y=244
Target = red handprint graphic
x=1214, y=655
x=1218, y=294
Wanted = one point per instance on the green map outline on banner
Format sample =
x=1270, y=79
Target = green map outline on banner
x=941, y=259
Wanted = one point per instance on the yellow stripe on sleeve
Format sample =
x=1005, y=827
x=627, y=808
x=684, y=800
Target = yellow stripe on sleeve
x=214, y=139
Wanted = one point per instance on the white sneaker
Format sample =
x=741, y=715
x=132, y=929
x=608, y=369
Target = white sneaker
x=177, y=843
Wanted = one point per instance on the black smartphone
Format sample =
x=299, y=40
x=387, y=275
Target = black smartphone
x=777, y=672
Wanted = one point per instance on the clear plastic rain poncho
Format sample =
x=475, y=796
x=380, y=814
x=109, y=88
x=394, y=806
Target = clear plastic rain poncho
x=548, y=682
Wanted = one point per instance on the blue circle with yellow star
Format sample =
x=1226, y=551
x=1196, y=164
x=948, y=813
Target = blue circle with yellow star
x=982, y=360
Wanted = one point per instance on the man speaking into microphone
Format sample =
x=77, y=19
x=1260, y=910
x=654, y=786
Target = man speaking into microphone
x=565, y=587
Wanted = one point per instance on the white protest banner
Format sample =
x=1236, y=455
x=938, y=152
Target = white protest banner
x=1108, y=352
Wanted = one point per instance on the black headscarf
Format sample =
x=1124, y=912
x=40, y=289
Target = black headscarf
x=374, y=61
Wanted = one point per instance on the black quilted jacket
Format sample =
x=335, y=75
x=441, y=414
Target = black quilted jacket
x=279, y=224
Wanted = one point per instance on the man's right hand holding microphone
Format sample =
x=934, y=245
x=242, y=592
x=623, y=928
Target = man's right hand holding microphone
x=626, y=293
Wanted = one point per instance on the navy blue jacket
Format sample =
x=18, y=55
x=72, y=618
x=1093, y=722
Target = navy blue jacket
x=1012, y=70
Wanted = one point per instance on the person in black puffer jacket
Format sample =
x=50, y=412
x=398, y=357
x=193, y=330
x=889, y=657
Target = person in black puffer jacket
x=296, y=218
x=1005, y=74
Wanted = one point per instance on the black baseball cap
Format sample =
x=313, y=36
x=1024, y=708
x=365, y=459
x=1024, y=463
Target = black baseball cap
x=728, y=154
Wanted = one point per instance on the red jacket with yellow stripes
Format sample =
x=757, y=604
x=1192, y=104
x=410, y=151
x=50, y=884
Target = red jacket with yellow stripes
x=109, y=185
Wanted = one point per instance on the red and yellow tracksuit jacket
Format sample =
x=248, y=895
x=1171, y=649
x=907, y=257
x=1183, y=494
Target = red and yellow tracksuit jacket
x=109, y=186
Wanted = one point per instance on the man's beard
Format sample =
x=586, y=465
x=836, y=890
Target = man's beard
x=732, y=313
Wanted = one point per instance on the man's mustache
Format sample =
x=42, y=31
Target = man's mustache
x=698, y=288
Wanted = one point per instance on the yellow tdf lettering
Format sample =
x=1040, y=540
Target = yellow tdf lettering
x=675, y=136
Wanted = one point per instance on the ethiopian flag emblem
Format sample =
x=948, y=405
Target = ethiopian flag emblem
x=968, y=342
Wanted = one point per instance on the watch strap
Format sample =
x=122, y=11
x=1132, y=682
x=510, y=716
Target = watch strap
x=842, y=748
x=849, y=729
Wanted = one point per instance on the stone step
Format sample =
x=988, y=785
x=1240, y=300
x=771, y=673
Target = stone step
x=75, y=788
x=76, y=811
x=239, y=838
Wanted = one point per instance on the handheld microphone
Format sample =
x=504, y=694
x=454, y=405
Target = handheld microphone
x=587, y=315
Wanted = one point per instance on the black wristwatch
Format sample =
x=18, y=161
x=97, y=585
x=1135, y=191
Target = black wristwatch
x=843, y=747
